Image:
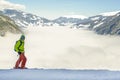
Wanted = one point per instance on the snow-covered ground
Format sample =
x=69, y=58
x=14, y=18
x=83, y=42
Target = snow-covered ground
x=61, y=74
x=62, y=48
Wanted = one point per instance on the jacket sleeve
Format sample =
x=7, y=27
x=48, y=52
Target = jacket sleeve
x=17, y=46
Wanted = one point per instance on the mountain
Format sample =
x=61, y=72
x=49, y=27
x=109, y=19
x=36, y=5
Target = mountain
x=24, y=19
x=107, y=23
x=68, y=20
x=111, y=25
x=75, y=16
x=8, y=25
x=110, y=13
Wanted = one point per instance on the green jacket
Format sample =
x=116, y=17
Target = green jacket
x=19, y=46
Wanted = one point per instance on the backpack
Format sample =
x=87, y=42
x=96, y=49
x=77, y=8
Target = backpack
x=16, y=47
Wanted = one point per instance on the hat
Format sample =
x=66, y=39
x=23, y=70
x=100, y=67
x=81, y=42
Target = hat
x=22, y=37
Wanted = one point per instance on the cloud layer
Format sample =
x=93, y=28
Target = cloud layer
x=4, y=4
x=71, y=48
x=61, y=47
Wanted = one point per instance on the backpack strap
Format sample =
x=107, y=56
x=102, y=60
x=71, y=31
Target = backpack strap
x=19, y=45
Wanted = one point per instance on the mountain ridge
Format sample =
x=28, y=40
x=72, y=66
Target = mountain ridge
x=8, y=25
x=104, y=24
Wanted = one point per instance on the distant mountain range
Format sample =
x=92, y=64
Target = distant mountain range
x=106, y=23
x=25, y=19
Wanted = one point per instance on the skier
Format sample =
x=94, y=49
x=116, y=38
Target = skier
x=19, y=48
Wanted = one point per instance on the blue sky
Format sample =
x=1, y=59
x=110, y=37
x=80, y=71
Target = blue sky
x=55, y=8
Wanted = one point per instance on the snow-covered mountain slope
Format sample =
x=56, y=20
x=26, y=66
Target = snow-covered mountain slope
x=8, y=25
x=110, y=26
x=107, y=23
x=110, y=13
x=25, y=19
x=58, y=74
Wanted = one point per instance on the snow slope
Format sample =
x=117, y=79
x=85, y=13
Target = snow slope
x=61, y=74
x=110, y=13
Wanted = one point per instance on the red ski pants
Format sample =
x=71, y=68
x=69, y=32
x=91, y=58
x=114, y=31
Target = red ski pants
x=21, y=60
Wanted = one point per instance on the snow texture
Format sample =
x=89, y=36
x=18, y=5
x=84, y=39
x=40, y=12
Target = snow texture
x=95, y=18
x=97, y=25
x=58, y=74
x=110, y=13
